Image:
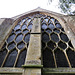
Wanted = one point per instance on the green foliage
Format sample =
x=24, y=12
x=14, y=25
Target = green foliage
x=65, y=6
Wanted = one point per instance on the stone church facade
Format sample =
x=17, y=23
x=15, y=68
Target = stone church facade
x=38, y=42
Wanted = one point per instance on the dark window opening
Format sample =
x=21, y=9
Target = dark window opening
x=13, y=53
x=55, y=44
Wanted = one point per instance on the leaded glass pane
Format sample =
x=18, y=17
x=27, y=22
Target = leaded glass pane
x=13, y=52
x=55, y=43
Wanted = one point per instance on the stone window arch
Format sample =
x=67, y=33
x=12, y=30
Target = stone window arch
x=56, y=46
x=13, y=53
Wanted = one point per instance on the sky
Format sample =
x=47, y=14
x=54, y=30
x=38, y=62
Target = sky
x=11, y=8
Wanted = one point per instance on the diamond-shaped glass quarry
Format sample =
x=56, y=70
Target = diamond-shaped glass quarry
x=44, y=26
x=51, y=45
x=19, y=38
x=27, y=38
x=64, y=37
x=45, y=37
x=11, y=45
x=21, y=45
x=48, y=30
x=11, y=38
x=62, y=45
x=54, y=37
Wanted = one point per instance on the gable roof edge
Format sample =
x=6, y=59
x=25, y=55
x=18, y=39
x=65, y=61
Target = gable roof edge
x=38, y=10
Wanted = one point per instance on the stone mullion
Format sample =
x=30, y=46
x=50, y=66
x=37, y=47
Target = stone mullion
x=33, y=63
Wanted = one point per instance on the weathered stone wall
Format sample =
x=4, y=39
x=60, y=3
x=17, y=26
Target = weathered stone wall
x=1, y=20
x=70, y=28
x=5, y=27
x=11, y=71
x=71, y=22
x=11, y=74
x=33, y=62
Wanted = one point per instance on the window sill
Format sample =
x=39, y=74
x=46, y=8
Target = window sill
x=60, y=71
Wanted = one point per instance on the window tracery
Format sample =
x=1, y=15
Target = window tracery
x=56, y=46
x=14, y=51
x=57, y=49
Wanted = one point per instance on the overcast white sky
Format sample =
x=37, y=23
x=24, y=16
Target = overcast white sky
x=11, y=8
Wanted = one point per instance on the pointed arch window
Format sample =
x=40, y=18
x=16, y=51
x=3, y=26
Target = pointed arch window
x=57, y=49
x=13, y=53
